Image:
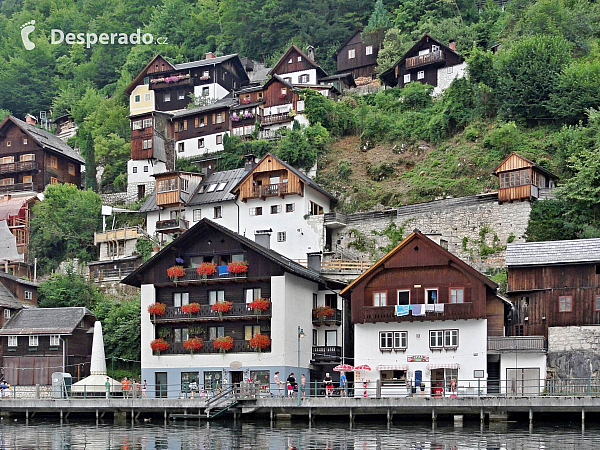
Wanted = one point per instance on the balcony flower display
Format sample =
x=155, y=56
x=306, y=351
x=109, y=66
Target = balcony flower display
x=206, y=269
x=235, y=117
x=248, y=115
x=237, y=267
x=223, y=344
x=175, y=273
x=193, y=344
x=204, y=78
x=222, y=307
x=259, y=305
x=245, y=101
x=159, y=345
x=323, y=312
x=157, y=309
x=260, y=342
x=292, y=113
x=190, y=309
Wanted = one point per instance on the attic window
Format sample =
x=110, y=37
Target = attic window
x=221, y=186
x=416, y=249
x=202, y=189
x=8, y=143
x=291, y=60
x=211, y=188
x=299, y=58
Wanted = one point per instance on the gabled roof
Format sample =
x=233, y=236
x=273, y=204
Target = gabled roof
x=306, y=58
x=7, y=299
x=528, y=161
x=576, y=251
x=231, y=177
x=220, y=104
x=45, y=139
x=140, y=75
x=23, y=281
x=308, y=181
x=189, y=236
x=45, y=321
x=276, y=77
x=358, y=30
x=417, y=235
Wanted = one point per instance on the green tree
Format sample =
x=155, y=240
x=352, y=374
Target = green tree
x=69, y=290
x=379, y=22
x=63, y=225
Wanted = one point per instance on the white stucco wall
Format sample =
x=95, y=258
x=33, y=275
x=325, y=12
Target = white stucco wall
x=140, y=176
x=521, y=360
x=215, y=90
x=445, y=78
x=295, y=76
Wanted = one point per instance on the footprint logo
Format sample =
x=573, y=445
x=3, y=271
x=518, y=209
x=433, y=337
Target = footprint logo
x=26, y=30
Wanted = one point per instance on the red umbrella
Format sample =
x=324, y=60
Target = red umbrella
x=343, y=368
x=364, y=367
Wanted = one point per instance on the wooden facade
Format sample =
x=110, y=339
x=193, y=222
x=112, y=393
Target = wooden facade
x=25, y=165
x=295, y=60
x=209, y=121
x=270, y=177
x=521, y=179
x=25, y=291
x=418, y=265
x=362, y=63
x=175, y=188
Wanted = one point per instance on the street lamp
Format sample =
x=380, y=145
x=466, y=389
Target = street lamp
x=300, y=336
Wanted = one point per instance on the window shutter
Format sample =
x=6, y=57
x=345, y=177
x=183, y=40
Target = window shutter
x=214, y=119
x=185, y=125
x=196, y=122
x=205, y=118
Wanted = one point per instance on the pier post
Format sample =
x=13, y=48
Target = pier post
x=481, y=415
x=351, y=418
x=309, y=416
x=530, y=416
x=271, y=414
x=132, y=417
x=26, y=415
x=61, y=415
x=166, y=415
x=582, y=417
x=390, y=416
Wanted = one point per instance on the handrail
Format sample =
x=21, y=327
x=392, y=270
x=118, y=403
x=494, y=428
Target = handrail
x=226, y=393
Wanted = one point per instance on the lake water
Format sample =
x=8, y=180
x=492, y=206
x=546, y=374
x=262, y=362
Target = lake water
x=290, y=435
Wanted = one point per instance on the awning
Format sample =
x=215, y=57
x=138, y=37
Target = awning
x=443, y=366
x=392, y=367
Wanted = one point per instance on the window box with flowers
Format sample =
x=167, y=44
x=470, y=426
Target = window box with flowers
x=260, y=342
x=323, y=312
x=204, y=78
x=223, y=344
x=248, y=115
x=206, y=269
x=190, y=309
x=245, y=101
x=159, y=345
x=222, y=307
x=235, y=117
x=193, y=345
x=175, y=273
x=259, y=305
x=237, y=267
x=157, y=309
x=282, y=96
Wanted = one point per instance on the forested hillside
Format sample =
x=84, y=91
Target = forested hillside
x=536, y=95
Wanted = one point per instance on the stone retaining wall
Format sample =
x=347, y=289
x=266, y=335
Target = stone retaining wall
x=574, y=352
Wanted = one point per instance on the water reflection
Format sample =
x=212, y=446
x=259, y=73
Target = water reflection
x=294, y=435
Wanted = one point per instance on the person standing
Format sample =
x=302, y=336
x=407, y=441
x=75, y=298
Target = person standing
x=144, y=388
x=291, y=383
x=343, y=384
x=107, y=387
x=278, y=382
x=328, y=382
x=303, y=385
x=193, y=388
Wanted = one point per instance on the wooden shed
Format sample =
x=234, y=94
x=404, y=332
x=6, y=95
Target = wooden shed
x=522, y=179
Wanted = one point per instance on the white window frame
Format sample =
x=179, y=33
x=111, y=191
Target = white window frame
x=147, y=144
x=400, y=340
x=387, y=339
x=455, y=297
x=136, y=125
x=13, y=341
x=147, y=97
x=215, y=296
x=7, y=313
x=34, y=340
x=351, y=53
x=379, y=299
x=299, y=58
x=167, y=96
x=451, y=338
x=200, y=142
x=221, y=186
x=181, y=298
x=197, y=215
x=436, y=338
x=147, y=123
x=293, y=207
x=420, y=74
x=406, y=78
x=212, y=187
x=398, y=295
x=437, y=295
x=137, y=98
x=217, y=212
x=450, y=69
x=54, y=340
x=369, y=50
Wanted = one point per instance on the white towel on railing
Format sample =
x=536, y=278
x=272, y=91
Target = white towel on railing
x=439, y=307
x=418, y=310
x=429, y=308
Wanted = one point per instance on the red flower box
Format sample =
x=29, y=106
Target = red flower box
x=159, y=345
x=323, y=312
x=206, y=269
x=190, y=309
x=223, y=344
x=237, y=267
x=175, y=272
x=222, y=307
x=193, y=344
x=260, y=342
x=157, y=309
x=260, y=304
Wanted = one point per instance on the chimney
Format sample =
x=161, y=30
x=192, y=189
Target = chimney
x=249, y=162
x=452, y=45
x=263, y=237
x=209, y=55
x=313, y=261
x=310, y=52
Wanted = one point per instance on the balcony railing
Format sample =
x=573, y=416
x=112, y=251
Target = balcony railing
x=176, y=348
x=517, y=344
x=20, y=166
x=336, y=319
x=111, y=274
x=171, y=225
x=192, y=275
x=116, y=235
x=452, y=311
x=270, y=190
x=18, y=187
x=275, y=118
x=424, y=60
x=335, y=220
x=326, y=353
x=237, y=311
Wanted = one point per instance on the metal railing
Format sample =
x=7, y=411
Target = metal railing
x=19, y=166
x=335, y=319
x=326, y=353
x=110, y=274
x=174, y=313
x=518, y=343
x=275, y=118
x=239, y=346
x=171, y=224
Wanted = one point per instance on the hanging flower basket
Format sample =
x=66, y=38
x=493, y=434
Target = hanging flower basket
x=223, y=344
x=157, y=309
x=159, y=345
x=260, y=342
x=237, y=267
x=190, y=309
x=259, y=305
x=206, y=269
x=323, y=312
x=175, y=273
x=222, y=307
x=193, y=345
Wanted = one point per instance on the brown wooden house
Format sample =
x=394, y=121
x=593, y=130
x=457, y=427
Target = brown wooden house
x=297, y=67
x=32, y=158
x=522, y=179
x=15, y=214
x=35, y=339
x=23, y=290
x=357, y=56
x=174, y=190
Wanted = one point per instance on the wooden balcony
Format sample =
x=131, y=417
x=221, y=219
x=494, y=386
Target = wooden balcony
x=20, y=166
x=176, y=348
x=425, y=60
x=18, y=187
x=171, y=226
x=500, y=344
x=335, y=220
x=238, y=311
x=110, y=274
x=270, y=190
x=336, y=319
x=452, y=311
x=191, y=275
x=116, y=235
x=326, y=353
x=163, y=85
x=275, y=118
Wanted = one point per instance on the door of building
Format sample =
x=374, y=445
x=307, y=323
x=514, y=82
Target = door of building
x=237, y=376
x=523, y=381
x=141, y=191
x=160, y=382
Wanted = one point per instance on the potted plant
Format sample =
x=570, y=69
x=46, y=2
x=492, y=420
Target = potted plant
x=190, y=309
x=259, y=305
x=222, y=307
x=157, y=309
x=323, y=312
x=260, y=342
x=223, y=344
x=175, y=273
x=193, y=344
x=206, y=269
x=159, y=345
x=292, y=113
x=237, y=267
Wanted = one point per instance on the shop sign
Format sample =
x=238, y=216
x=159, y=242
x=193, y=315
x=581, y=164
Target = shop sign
x=417, y=358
